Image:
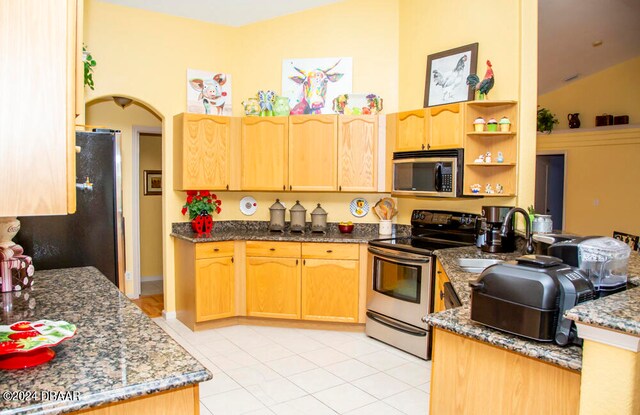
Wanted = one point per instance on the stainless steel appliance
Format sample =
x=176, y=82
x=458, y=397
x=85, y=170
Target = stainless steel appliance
x=491, y=223
x=401, y=269
x=528, y=297
x=94, y=235
x=430, y=173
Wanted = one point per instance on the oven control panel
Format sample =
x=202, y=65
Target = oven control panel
x=433, y=218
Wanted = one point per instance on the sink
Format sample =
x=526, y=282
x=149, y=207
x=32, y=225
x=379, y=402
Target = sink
x=476, y=265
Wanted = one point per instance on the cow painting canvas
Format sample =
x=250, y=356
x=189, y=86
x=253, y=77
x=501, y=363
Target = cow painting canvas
x=208, y=92
x=312, y=84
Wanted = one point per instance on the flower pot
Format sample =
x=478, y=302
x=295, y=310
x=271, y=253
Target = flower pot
x=203, y=223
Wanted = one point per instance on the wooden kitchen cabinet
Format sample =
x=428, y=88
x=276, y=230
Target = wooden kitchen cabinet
x=39, y=52
x=479, y=143
x=313, y=147
x=357, y=153
x=445, y=128
x=264, y=153
x=411, y=129
x=273, y=279
x=201, y=152
x=440, y=279
x=205, y=281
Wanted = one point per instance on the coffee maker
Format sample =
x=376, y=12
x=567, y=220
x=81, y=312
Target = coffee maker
x=489, y=236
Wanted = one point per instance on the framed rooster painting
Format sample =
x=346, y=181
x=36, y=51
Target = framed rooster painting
x=447, y=73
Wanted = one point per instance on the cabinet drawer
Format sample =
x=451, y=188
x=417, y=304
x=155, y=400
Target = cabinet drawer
x=330, y=250
x=273, y=249
x=214, y=249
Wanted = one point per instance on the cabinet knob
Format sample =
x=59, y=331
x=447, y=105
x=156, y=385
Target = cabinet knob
x=227, y=187
x=290, y=187
x=329, y=251
x=304, y=262
x=441, y=295
x=340, y=188
x=423, y=146
x=272, y=249
x=296, y=262
x=232, y=260
x=216, y=249
x=284, y=187
x=428, y=146
x=438, y=272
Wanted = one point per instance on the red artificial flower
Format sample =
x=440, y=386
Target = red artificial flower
x=189, y=199
x=218, y=202
x=213, y=196
x=204, y=193
x=192, y=192
x=184, y=210
x=198, y=197
x=218, y=210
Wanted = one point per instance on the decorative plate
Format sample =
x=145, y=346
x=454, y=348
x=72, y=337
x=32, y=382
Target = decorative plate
x=248, y=205
x=357, y=104
x=359, y=207
x=25, y=344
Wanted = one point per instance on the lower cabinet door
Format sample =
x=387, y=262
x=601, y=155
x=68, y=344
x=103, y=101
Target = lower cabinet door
x=273, y=287
x=215, y=291
x=330, y=290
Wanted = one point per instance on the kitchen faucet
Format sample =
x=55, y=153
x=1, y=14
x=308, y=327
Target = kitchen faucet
x=507, y=220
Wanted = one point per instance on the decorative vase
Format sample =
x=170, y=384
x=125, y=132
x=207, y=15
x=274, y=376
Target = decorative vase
x=9, y=227
x=574, y=121
x=203, y=223
x=281, y=107
x=251, y=107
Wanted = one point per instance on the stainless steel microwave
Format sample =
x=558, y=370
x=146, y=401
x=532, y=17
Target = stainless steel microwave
x=429, y=173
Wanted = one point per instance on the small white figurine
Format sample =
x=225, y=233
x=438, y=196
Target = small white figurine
x=500, y=157
x=499, y=188
x=487, y=157
x=475, y=188
x=480, y=159
x=488, y=189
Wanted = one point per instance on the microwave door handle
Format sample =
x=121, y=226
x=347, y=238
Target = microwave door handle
x=437, y=174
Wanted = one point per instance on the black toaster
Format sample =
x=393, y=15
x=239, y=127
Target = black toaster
x=528, y=297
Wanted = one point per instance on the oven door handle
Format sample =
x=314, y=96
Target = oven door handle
x=395, y=325
x=400, y=256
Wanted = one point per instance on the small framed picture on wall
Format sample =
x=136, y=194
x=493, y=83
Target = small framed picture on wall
x=447, y=72
x=152, y=182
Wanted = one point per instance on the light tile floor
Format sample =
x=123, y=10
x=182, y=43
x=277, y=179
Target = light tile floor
x=271, y=370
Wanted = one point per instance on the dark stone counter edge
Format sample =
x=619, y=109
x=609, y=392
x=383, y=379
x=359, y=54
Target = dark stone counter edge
x=355, y=239
x=113, y=396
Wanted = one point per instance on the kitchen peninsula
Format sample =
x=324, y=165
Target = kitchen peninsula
x=118, y=361
x=488, y=371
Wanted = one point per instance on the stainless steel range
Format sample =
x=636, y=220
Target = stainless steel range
x=401, y=277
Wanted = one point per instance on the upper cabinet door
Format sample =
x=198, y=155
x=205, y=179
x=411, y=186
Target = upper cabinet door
x=264, y=153
x=313, y=145
x=411, y=130
x=446, y=126
x=357, y=153
x=201, y=152
x=37, y=106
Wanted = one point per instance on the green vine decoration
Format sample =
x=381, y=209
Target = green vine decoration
x=89, y=64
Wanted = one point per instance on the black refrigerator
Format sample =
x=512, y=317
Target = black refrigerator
x=94, y=235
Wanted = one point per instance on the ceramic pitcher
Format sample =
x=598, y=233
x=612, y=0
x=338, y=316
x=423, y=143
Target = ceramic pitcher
x=574, y=121
x=281, y=107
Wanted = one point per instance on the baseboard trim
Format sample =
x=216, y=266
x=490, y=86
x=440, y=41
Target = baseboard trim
x=169, y=315
x=151, y=278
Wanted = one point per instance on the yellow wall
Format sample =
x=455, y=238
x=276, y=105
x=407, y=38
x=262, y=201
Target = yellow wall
x=106, y=113
x=614, y=91
x=145, y=55
x=150, y=209
x=602, y=172
x=506, y=31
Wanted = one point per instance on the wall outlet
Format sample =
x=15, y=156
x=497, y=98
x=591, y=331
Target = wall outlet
x=128, y=276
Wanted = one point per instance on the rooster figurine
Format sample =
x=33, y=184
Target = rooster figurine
x=483, y=86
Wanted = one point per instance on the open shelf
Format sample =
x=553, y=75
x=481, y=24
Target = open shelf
x=490, y=194
x=491, y=164
x=491, y=133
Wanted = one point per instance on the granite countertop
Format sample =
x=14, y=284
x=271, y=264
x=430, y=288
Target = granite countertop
x=117, y=353
x=457, y=320
x=619, y=312
x=259, y=231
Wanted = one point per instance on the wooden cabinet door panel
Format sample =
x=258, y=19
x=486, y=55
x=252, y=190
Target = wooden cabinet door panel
x=204, y=155
x=215, y=288
x=264, y=153
x=357, y=153
x=313, y=146
x=330, y=290
x=446, y=126
x=37, y=107
x=411, y=130
x=273, y=287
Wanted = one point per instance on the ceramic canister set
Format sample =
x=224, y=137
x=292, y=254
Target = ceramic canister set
x=298, y=218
